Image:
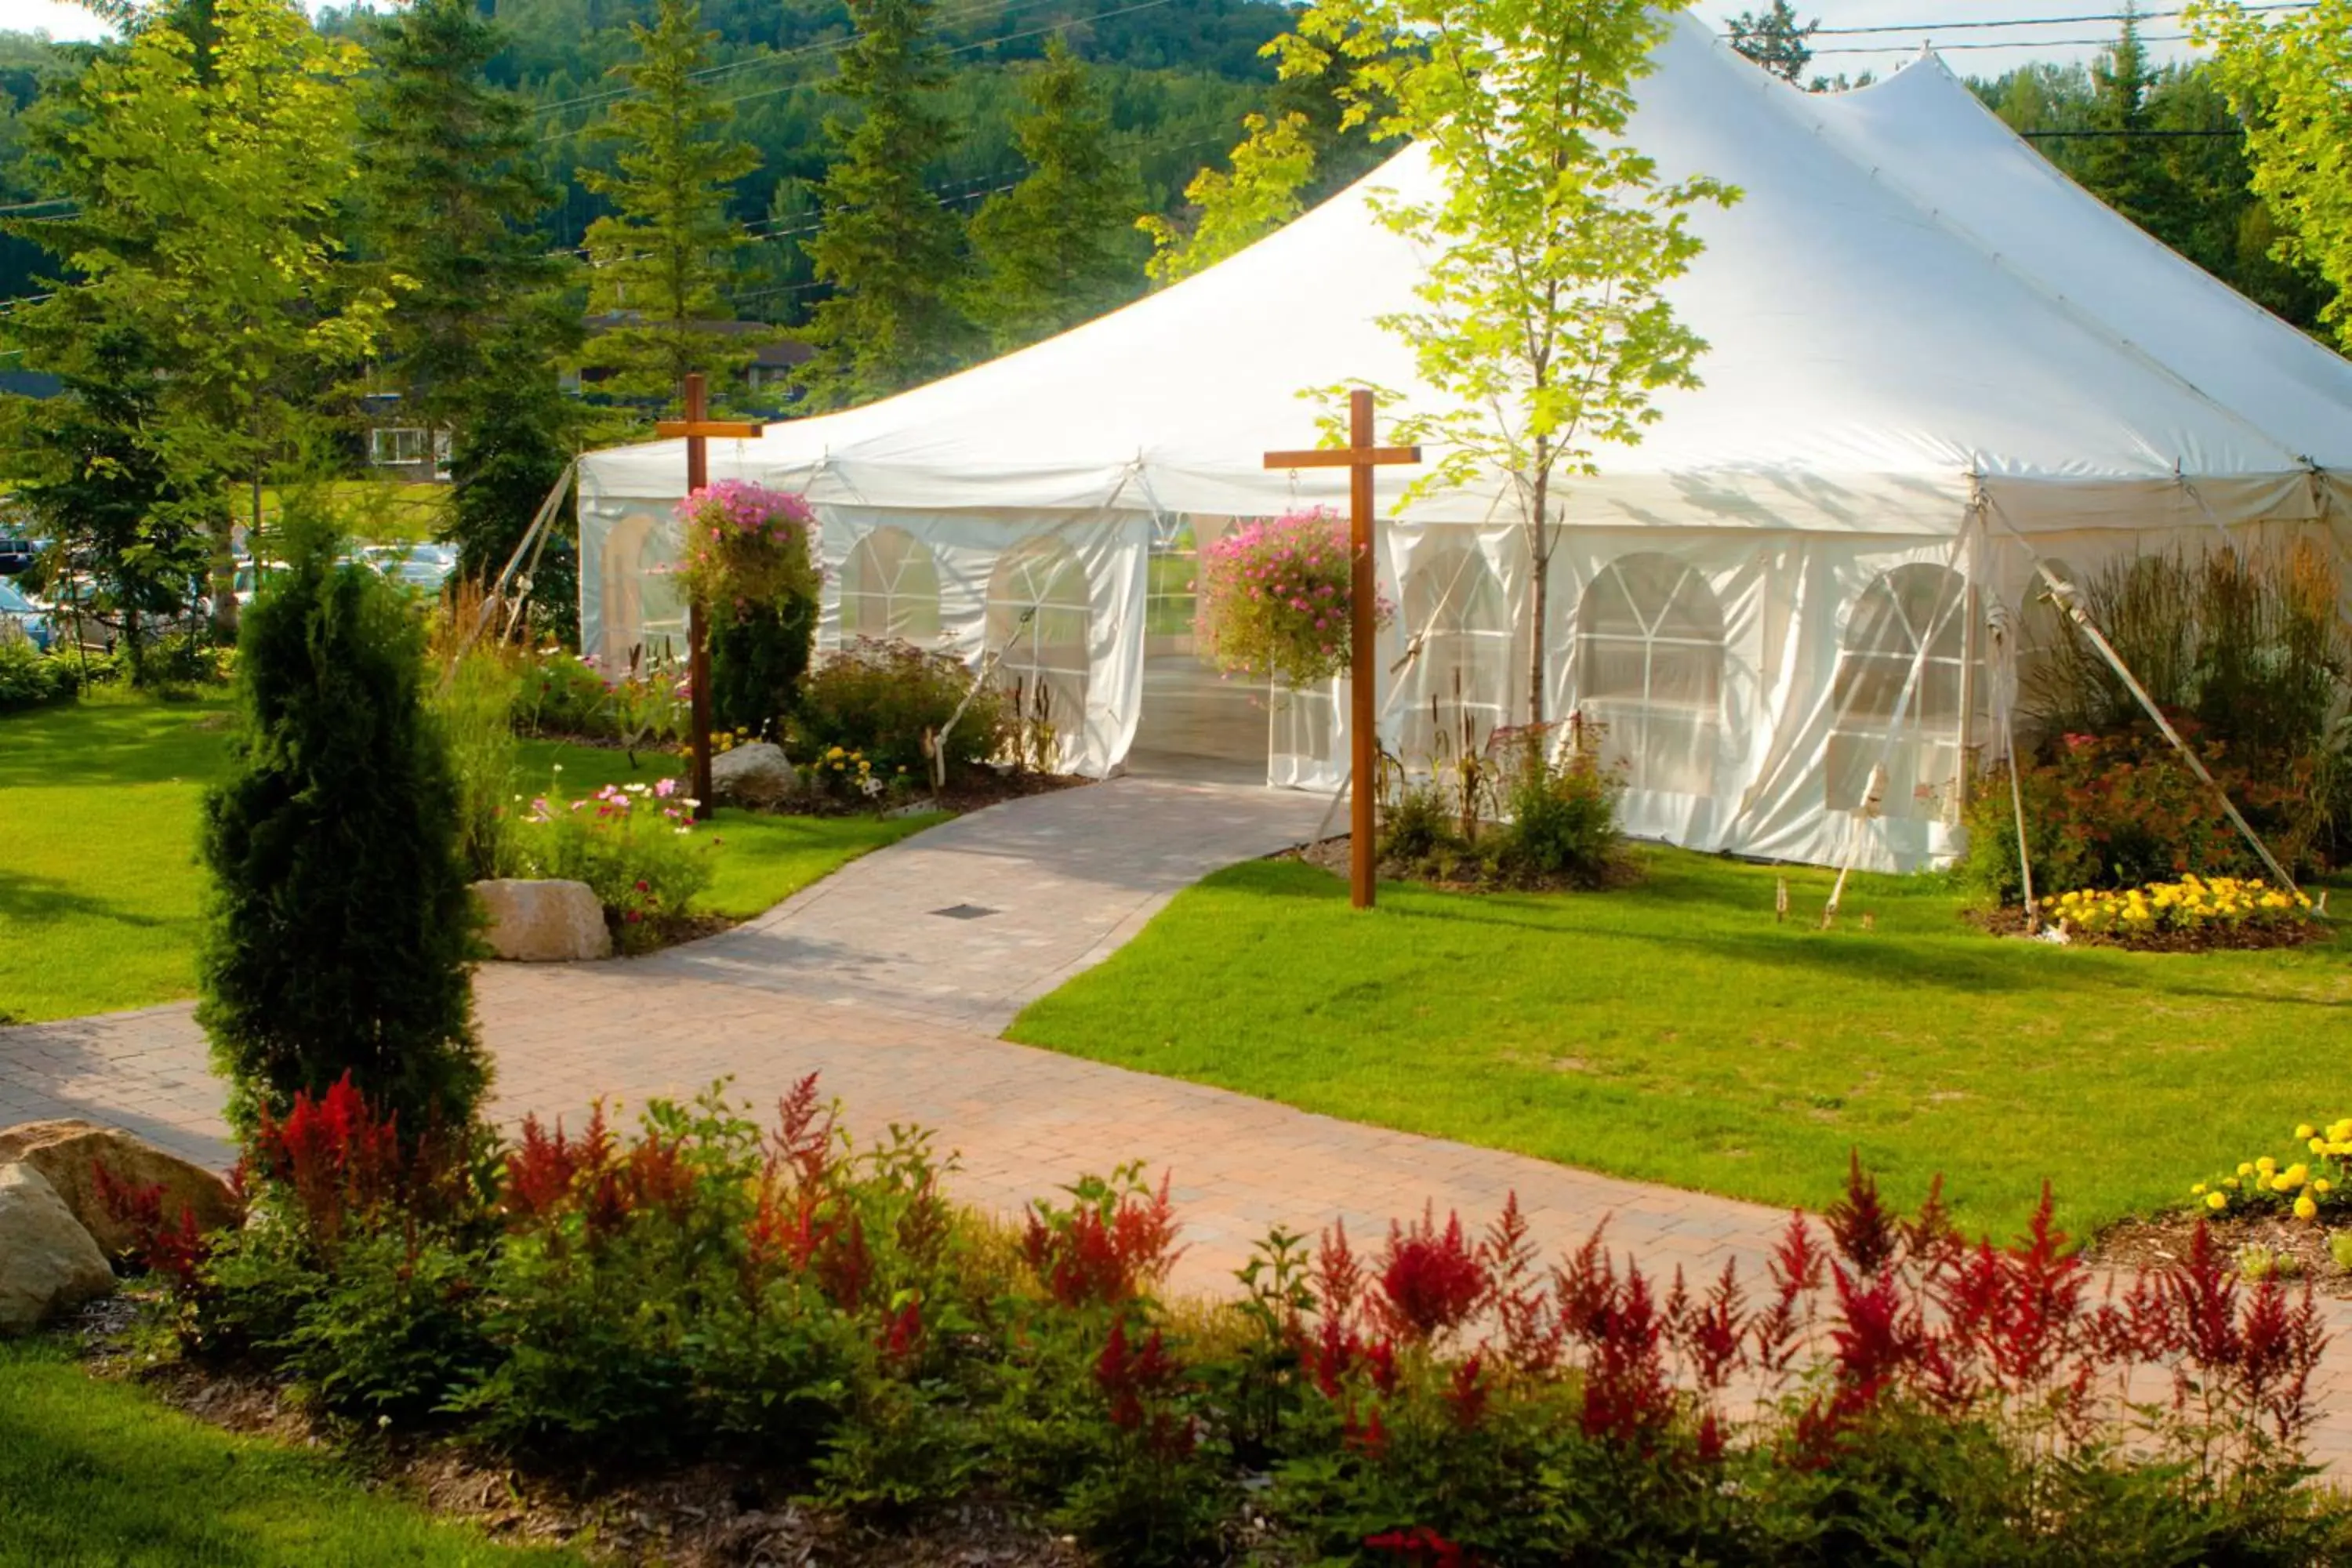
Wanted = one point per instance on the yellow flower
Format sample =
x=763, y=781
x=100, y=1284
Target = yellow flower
x=2323, y=1185
x=2198, y=1190
x=2230, y=1182
x=2245, y=1168
x=2216, y=1201
x=2266, y=1165
x=2304, y=1131
x=2297, y=1173
x=2317, y=1145
x=2304, y=1208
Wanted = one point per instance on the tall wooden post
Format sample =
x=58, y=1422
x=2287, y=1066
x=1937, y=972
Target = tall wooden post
x=697, y=431
x=1359, y=457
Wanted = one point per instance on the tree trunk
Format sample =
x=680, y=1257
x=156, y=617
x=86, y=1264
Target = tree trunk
x=1540, y=548
x=223, y=530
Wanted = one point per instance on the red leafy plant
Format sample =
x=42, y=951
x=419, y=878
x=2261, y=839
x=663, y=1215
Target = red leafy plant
x=1111, y=1243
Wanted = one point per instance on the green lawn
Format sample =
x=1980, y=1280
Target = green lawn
x=100, y=892
x=1674, y=1032
x=94, y=1472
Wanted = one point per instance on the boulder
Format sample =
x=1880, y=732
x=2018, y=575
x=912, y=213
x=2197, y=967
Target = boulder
x=551, y=921
x=756, y=773
x=65, y=1151
x=49, y=1264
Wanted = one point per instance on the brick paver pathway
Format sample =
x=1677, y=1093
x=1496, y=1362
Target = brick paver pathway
x=845, y=981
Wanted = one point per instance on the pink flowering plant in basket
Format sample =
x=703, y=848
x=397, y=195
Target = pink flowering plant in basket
x=747, y=544
x=1275, y=598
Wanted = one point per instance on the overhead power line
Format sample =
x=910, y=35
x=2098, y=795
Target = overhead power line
x=1997, y=44
x=2067, y=21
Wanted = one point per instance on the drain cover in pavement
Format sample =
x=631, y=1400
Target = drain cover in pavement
x=965, y=912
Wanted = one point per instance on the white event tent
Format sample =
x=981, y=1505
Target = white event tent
x=1933, y=361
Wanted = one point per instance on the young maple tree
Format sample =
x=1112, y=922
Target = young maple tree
x=1543, y=322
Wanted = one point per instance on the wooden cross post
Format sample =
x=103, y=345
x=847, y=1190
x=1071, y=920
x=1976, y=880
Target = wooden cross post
x=1359, y=457
x=697, y=430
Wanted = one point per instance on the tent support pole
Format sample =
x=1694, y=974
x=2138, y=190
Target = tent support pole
x=2002, y=651
x=2064, y=592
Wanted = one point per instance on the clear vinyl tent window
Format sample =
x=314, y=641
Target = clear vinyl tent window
x=1461, y=683
x=1046, y=659
x=644, y=613
x=1650, y=657
x=890, y=588
x=1902, y=691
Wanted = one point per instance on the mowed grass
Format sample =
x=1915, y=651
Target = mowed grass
x=1674, y=1032
x=93, y=1472
x=102, y=895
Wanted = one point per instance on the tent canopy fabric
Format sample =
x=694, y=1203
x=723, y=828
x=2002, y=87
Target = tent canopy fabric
x=1907, y=302
x=1798, y=609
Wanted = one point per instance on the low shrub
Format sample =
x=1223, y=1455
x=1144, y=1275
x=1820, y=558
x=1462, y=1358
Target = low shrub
x=31, y=678
x=473, y=699
x=1563, y=814
x=643, y=703
x=634, y=845
x=699, y=1288
x=2121, y=810
x=880, y=698
x=2312, y=1182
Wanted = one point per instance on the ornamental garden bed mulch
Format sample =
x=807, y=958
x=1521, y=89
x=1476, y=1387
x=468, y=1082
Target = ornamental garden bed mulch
x=707, y=1515
x=2292, y=1249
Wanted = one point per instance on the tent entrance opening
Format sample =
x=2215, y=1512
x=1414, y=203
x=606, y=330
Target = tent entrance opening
x=1194, y=723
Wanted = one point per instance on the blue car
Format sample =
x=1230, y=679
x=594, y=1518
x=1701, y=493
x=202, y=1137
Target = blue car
x=22, y=614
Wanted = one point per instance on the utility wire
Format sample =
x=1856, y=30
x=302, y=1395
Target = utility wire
x=2033, y=21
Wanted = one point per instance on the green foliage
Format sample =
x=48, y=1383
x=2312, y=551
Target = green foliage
x=1234, y=209
x=891, y=251
x=341, y=930
x=881, y=698
x=661, y=257
x=513, y=445
x=29, y=678
x=473, y=701
x=759, y=656
x=2289, y=78
x=451, y=200
x=208, y=156
x=1059, y=247
x=634, y=845
x=1774, y=39
x=1563, y=815
x=97, y=486
x=1544, y=323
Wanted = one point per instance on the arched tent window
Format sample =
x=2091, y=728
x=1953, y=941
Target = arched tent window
x=1900, y=692
x=1650, y=652
x=1048, y=654
x=642, y=609
x=1462, y=681
x=890, y=588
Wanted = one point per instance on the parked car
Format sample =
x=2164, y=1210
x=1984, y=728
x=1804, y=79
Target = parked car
x=17, y=555
x=19, y=616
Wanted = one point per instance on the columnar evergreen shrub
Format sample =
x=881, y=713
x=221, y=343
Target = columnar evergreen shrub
x=339, y=931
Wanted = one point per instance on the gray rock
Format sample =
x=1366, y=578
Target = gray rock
x=756, y=773
x=67, y=1152
x=49, y=1264
x=551, y=921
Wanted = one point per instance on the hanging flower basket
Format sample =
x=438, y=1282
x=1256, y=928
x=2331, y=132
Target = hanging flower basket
x=746, y=544
x=1275, y=599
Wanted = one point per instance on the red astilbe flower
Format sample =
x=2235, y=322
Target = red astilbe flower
x=805, y=1141
x=2016, y=1312
x=1466, y=1393
x=2282, y=1344
x=339, y=1159
x=1628, y=1396
x=902, y=1339
x=1138, y=1381
x=1420, y=1546
x=1865, y=1233
x=1796, y=1271
x=1369, y=1437
x=1431, y=1281
x=1531, y=1339
x=171, y=1250
x=543, y=1170
x=1106, y=1248
x=1710, y=1334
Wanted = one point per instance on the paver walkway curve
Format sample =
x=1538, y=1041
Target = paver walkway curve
x=863, y=980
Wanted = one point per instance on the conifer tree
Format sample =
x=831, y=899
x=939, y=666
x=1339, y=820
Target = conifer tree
x=662, y=260
x=452, y=204
x=892, y=253
x=1060, y=247
x=1775, y=40
x=339, y=932
x=2121, y=167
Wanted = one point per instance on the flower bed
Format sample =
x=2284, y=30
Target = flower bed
x=635, y=846
x=2192, y=912
x=1275, y=598
x=701, y=1287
